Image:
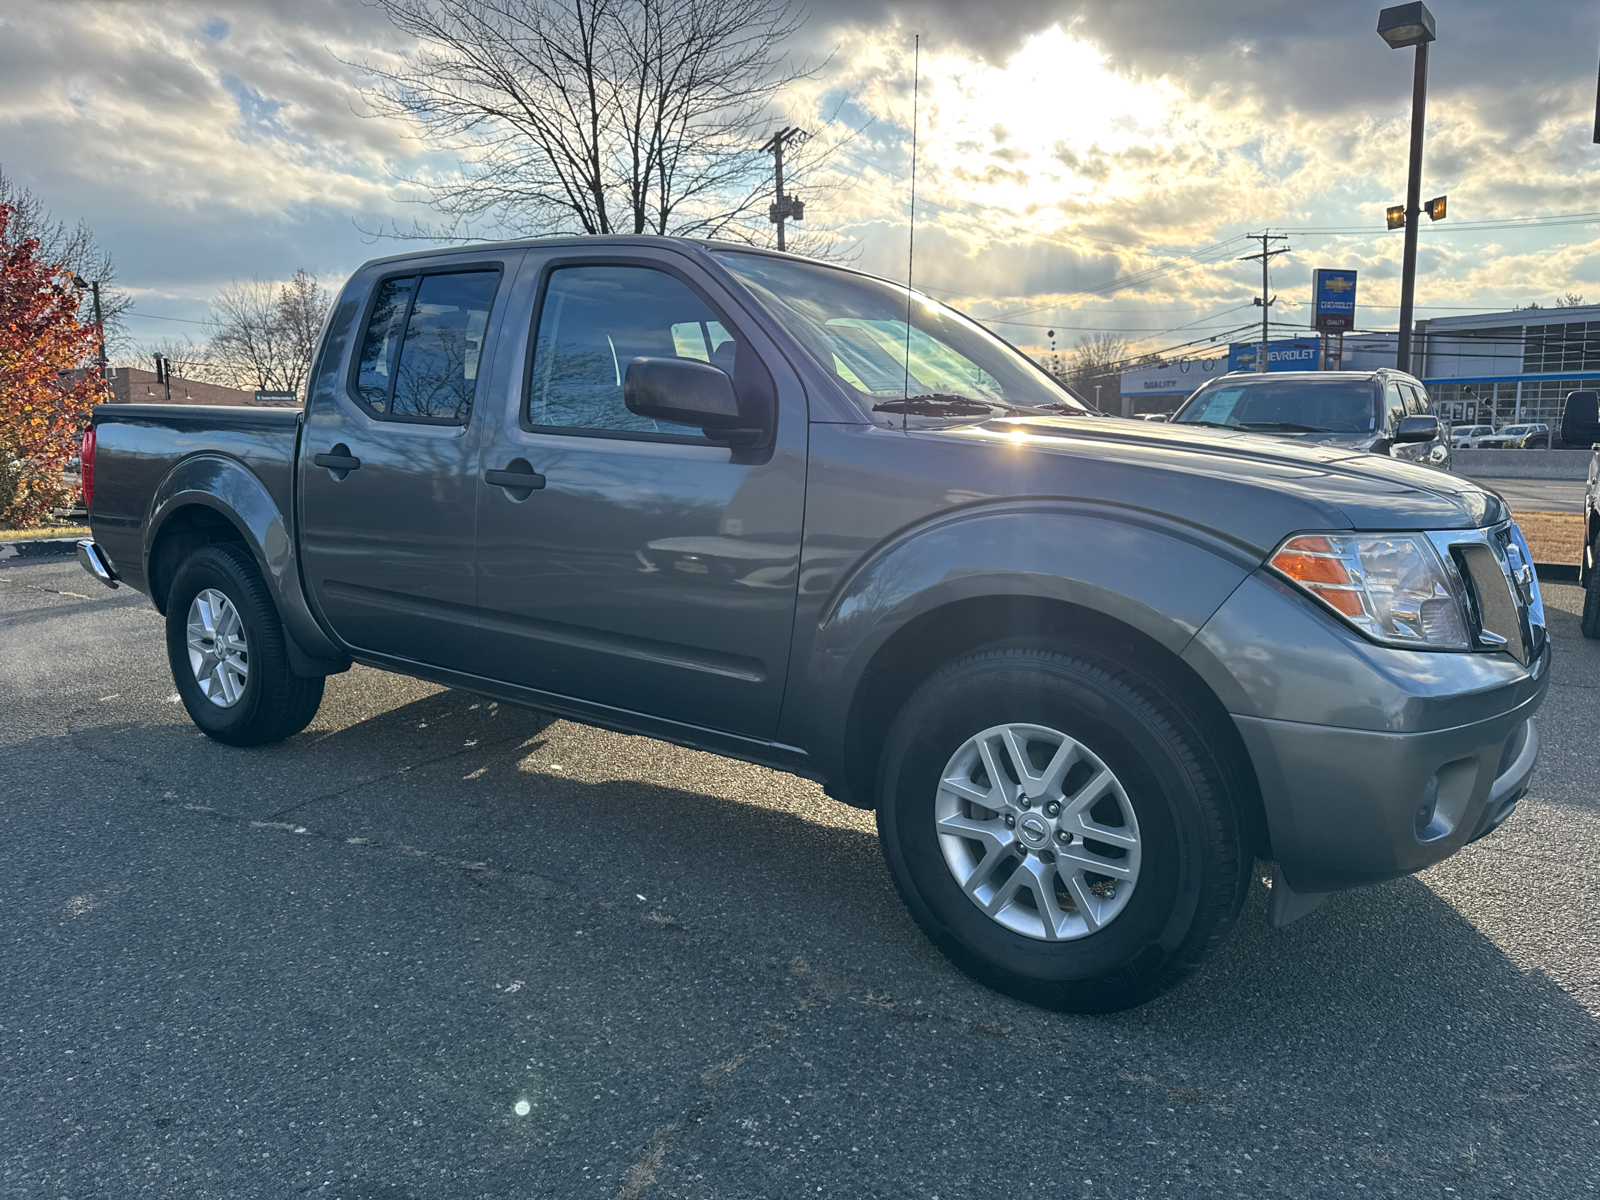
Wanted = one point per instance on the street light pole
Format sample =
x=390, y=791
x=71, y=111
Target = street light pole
x=1401, y=26
x=1408, y=270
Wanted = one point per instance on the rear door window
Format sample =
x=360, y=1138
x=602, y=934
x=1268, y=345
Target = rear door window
x=429, y=372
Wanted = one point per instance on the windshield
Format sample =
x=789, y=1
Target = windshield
x=1288, y=405
x=856, y=326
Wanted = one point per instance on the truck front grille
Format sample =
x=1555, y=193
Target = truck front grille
x=1503, y=591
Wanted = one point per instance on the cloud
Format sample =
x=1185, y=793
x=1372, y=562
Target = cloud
x=1075, y=156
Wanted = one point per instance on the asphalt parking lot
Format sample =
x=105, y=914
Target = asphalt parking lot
x=439, y=947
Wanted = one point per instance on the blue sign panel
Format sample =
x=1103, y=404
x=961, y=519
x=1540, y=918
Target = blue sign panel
x=1294, y=354
x=1333, y=300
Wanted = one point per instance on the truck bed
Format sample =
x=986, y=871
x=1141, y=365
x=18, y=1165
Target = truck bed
x=138, y=445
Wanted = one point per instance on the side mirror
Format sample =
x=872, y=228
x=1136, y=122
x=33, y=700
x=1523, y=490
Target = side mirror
x=682, y=391
x=1418, y=429
x=1580, y=424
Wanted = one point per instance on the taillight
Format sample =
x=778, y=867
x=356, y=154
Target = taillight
x=86, y=465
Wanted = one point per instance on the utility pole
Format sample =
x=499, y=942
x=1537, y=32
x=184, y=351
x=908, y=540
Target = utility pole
x=99, y=326
x=99, y=321
x=785, y=208
x=1266, y=256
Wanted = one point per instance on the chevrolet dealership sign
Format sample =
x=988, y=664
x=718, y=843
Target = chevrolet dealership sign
x=1333, y=300
x=1294, y=354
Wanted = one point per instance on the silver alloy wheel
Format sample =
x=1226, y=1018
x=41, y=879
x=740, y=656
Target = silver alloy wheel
x=218, y=654
x=1038, y=832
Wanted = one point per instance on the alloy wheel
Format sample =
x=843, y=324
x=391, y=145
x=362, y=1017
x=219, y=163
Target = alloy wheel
x=218, y=653
x=1038, y=832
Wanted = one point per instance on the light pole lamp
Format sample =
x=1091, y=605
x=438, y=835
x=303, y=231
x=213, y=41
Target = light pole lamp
x=1401, y=26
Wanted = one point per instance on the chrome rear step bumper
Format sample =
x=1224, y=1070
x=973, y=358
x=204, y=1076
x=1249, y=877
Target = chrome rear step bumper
x=93, y=560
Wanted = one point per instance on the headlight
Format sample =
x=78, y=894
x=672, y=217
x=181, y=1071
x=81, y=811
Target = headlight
x=1394, y=587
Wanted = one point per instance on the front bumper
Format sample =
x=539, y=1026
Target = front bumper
x=1348, y=807
x=1372, y=761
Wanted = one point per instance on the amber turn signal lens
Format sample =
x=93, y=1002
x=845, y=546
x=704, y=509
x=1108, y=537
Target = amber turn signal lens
x=1315, y=564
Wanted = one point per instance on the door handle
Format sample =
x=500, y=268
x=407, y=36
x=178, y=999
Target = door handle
x=337, y=462
x=517, y=481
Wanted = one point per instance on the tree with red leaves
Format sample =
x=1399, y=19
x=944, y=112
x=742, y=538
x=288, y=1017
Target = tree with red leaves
x=42, y=410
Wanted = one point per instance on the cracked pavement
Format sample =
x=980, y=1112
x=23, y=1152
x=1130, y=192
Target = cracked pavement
x=437, y=946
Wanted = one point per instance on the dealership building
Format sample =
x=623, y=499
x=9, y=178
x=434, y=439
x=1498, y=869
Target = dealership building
x=1489, y=368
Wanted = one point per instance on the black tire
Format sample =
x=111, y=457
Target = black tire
x=275, y=703
x=1590, y=623
x=1196, y=858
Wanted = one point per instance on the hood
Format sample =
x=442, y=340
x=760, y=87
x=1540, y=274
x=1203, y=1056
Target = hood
x=1251, y=487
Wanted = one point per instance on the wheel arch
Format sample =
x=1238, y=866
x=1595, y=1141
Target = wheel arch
x=209, y=498
x=1094, y=575
x=950, y=631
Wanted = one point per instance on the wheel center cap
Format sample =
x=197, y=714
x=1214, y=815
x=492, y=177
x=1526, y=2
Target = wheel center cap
x=1033, y=830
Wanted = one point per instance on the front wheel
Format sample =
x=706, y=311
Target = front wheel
x=225, y=645
x=1590, y=624
x=1059, y=828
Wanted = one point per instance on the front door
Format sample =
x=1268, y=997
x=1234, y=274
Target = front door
x=388, y=457
x=628, y=563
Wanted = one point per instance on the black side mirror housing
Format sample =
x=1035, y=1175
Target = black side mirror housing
x=686, y=392
x=1580, y=423
x=1418, y=429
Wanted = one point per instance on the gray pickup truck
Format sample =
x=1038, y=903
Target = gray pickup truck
x=1085, y=670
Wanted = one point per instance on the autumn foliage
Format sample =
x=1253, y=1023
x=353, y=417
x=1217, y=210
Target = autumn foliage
x=42, y=411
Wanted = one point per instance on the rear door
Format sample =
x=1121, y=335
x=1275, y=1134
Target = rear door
x=387, y=468
x=642, y=566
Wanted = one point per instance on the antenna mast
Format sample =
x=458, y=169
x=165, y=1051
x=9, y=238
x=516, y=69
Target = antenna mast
x=911, y=237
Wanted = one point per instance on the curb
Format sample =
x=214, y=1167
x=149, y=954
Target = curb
x=39, y=548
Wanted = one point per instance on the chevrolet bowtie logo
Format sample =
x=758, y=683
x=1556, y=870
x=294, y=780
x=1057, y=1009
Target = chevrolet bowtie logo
x=1338, y=284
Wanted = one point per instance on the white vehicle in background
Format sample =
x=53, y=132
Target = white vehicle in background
x=1468, y=437
x=1527, y=436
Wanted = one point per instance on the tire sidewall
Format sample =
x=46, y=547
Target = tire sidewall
x=210, y=567
x=1589, y=622
x=1086, y=702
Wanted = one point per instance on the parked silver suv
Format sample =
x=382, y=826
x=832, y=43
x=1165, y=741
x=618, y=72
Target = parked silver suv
x=1384, y=411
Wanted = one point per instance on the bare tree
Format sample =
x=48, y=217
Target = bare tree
x=75, y=248
x=1097, y=359
x=303, y=305
x=592, y=116
x=262, y=335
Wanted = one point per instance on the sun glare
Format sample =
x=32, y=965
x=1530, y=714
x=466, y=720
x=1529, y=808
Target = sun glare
x=1052, y=112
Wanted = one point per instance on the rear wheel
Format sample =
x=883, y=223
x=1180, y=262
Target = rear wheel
x=226, y=648
x=1059, y=828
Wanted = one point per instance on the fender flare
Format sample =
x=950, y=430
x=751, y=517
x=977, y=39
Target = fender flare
x=1157, y=575
x=228, y=487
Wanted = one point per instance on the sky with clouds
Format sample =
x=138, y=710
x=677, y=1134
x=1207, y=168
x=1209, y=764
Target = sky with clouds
x=1084, y=165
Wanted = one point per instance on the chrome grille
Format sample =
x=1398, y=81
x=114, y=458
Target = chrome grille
x=1507, y=610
